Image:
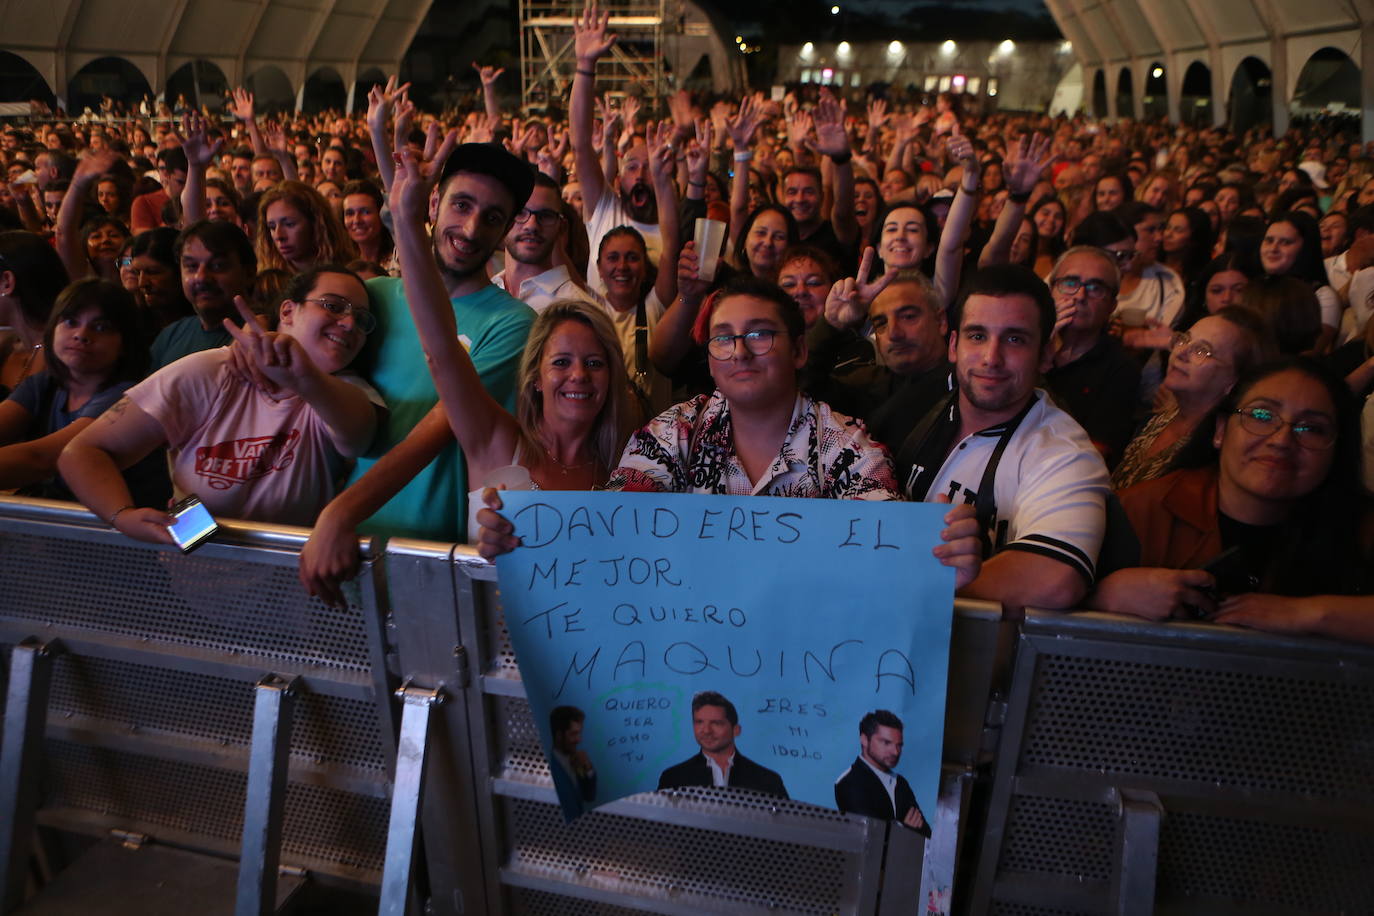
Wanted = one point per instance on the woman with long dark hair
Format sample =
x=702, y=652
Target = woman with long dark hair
x=1270, y=501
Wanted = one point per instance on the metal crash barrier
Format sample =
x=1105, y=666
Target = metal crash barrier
x=1187, y=768
x=197, y=702
x=229, y=737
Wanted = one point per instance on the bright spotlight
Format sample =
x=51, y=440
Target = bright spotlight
x=834, y=11
x=948, y=47
x=1006, y=47
x=842, y=49
x=808, y=49
x=1157, y=72
x=894, y=48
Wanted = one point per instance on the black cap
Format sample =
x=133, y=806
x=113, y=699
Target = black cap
x=516, y=175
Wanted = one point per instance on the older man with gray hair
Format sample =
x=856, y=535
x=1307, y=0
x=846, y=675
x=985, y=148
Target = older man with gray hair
x=1092, y=377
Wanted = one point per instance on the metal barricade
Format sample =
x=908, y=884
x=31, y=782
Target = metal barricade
x=175, y=675
x=1181, y=768
x=683, y=852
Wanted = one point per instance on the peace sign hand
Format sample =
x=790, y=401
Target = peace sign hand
x=847, y=304
x=416, y=175
x=277, y=357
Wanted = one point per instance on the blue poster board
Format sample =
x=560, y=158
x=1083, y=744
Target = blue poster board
x=804, y=614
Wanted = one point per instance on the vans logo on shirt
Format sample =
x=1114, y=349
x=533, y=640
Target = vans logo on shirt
x=239, y=460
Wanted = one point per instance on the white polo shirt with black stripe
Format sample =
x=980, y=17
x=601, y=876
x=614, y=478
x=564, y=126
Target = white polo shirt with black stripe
x=1050, y=484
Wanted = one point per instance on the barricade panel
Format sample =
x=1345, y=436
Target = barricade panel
x=149, y=722
x=1258, y=748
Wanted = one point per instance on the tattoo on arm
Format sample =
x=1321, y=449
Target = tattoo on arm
x=113, y=412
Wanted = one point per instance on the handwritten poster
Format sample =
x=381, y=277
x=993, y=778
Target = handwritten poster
x=792, y=624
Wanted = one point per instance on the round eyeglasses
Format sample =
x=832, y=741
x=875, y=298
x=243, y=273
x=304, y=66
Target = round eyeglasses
x=363, y=320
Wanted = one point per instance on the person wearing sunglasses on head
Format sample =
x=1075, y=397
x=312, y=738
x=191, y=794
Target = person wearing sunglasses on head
x=1261, y=525
x=263, y=430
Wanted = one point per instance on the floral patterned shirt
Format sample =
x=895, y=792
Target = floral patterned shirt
x=689, y=449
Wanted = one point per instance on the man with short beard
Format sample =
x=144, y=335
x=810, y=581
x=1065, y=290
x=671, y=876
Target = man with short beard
x=604, y=207
x=996, y=442
x=414, y=480
x=217, y=263
x=530, y=274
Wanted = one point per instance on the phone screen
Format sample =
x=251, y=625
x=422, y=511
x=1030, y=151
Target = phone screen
x=193, y=524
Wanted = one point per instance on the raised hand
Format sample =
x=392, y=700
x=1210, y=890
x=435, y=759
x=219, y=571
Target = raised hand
x=680, y=107
x=660, y=143
x=742, y=126
x=274, y=137
x=558, y=137
x=1025, y=162
x=847, y=304
x=720, y=113
x=590, y=38
x=798, y=128
x=381, y=100
x=92, y=165
x=279, y=357
x=242, y=104
x=629, y=112
x=828, y=117
x=488, y=75
x=690, y=286
x=877, y=114
x=483, y=131
x=699, y=153
x=416, y=175
x=195, y=141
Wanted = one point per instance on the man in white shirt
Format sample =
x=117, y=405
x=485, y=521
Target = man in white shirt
x=997, y=443
x=530, y=274
x=871, y=786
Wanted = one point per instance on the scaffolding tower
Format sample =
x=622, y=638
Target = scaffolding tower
x=634, y=64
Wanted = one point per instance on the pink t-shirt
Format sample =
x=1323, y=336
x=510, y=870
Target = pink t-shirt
x=244, y=454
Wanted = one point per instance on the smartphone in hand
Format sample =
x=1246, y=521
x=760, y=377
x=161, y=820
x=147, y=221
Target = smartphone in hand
x=193, y=525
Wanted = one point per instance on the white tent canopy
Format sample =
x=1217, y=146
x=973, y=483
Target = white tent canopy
x=243, y=38
x=1139, y=37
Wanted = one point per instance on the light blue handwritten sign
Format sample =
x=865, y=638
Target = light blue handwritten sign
x=805, y=614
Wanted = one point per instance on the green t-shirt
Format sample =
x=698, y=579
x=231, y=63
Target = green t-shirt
x=494, y=325
x=184, y=337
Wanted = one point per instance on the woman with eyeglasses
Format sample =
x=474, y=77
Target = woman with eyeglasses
x=1204, y=363
x=270, y=450
x=1261, y=527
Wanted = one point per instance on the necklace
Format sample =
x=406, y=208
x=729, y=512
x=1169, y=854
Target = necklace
x=567, y=468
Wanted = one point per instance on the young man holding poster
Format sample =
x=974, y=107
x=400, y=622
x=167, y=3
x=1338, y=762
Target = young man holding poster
x=758, y=434
x=997, y=444
x=715, y=726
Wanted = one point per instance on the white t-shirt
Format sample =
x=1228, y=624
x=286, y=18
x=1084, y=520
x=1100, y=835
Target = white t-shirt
x=1160, y=293
x=609, y=213
x=1050, y=486
x=659, y=387
x=244, y=454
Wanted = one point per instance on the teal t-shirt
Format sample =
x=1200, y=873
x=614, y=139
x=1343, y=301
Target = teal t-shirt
x=493, y=325
x=184, y=337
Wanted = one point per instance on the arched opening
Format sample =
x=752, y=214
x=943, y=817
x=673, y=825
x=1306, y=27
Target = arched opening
x=271, y=90
x=20, y=81
x=105, y=76
x=1155, y=100
x=1125, y=94
x=324, y=89
x=368, y=79
x=1195, y=98
x=1329, y=84
x=1099, y=94
x=1251, y=101
x=198, y=82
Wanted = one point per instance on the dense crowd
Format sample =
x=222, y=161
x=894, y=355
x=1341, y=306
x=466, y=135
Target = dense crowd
x=1133, y=356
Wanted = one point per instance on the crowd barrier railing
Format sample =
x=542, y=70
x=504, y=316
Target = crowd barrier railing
x=1180, y=768
x=200, y=700
x=203, y=702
